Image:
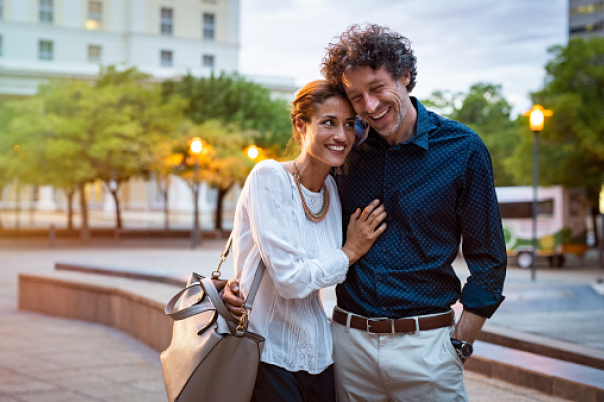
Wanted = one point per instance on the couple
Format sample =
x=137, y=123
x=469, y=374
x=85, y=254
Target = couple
x=404, y=196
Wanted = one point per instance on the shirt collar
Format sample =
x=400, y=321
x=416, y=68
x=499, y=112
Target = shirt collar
x=423, y=126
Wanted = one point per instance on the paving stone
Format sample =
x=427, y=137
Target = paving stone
x=56, y=396
x=102, y=364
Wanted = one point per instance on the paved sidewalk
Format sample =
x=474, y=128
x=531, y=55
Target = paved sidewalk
x=47, y=359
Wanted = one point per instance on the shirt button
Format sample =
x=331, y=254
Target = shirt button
x=384, y=249
x=389, y=185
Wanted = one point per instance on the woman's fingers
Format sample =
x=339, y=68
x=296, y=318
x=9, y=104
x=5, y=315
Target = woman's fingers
x=231, y=298
x=369, y=209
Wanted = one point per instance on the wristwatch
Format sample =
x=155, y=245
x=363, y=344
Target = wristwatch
x=464, y=349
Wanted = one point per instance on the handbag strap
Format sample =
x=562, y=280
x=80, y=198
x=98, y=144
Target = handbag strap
x=249, y=300
x=210, y=289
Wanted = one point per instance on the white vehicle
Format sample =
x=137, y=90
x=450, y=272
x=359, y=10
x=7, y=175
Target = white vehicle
x=561, y=223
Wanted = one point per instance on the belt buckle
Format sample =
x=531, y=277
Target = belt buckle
x=369, y=320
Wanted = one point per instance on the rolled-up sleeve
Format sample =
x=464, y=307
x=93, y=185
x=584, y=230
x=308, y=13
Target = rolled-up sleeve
x=276, y=234
x=483, y=242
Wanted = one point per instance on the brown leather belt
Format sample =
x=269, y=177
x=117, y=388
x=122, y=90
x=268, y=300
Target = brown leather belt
x=388, y=326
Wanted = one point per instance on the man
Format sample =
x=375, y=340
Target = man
x=393, y=328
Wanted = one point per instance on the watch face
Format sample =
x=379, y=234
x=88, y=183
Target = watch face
x=466, y=350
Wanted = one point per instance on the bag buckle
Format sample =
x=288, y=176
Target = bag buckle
x=216, y=273
x=370, y=320
x=242, y=327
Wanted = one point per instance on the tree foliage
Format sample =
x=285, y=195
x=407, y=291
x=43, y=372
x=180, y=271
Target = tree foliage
x=222, y=162
x=73, y=133
x=231, y=99
x=571, y=145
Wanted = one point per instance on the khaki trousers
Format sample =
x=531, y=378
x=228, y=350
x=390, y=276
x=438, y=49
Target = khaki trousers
x=421, y=366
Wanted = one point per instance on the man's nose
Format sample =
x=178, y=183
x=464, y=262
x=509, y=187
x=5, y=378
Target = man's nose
x=371, y=103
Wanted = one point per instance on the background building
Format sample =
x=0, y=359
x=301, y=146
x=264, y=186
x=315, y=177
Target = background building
x=42, y=39
x=585, y=18
x=55, y=39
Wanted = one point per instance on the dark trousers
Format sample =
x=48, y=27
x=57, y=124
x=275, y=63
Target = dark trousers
x=275, y=384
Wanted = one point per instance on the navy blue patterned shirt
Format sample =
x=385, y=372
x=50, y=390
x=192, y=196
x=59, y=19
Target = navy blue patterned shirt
x=437, y=189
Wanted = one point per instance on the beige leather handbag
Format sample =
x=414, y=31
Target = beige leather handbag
x=212, y=356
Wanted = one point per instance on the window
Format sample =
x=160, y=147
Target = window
x=94, y=53
x=46, y=11
x=588, y=8
x=524, y=210
x=166, y=58
x=45, y=51
x=596, y=26
x=209, y=26
x=208, y=61
x=166, y=21
x=95, y=15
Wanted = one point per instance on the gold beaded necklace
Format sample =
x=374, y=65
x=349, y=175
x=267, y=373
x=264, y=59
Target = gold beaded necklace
x=319, y=216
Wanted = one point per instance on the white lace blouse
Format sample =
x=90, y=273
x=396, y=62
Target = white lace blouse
x=301, y=257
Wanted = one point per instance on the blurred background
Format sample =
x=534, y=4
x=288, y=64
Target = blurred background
x=118, y=116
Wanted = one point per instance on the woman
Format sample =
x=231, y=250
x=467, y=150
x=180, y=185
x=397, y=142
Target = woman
x=289, y=216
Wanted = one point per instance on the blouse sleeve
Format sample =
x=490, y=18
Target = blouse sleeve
x=271, y=208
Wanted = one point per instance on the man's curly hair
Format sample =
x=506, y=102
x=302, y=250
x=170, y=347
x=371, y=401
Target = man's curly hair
x=374, y=46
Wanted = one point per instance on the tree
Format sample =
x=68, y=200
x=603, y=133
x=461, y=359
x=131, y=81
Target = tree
x=232, y=99
x=73, y=133
x=222, y=162
x=571, y=146
x=230, y=165
x=131, y=122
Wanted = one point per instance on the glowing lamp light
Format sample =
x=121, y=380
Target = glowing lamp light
x=537, y=116
x=253, y=152
x=196, y=146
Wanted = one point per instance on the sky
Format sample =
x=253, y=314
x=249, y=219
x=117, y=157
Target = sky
x=457, y=42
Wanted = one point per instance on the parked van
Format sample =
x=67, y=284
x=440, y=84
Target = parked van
x=561, y=223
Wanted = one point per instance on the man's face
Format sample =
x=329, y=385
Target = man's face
x=378, y=98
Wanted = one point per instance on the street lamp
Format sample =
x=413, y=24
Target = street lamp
x=537, y=117
x=253, y=152
x=195, y=148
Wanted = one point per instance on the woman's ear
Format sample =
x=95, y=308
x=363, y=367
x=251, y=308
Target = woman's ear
x=301, y=127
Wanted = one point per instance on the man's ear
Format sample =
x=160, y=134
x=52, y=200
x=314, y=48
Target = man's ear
x=406, y=78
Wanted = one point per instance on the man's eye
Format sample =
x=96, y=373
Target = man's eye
x=328, y=122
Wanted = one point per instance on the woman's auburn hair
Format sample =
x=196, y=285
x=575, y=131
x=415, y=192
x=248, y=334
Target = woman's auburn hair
x=308, y=98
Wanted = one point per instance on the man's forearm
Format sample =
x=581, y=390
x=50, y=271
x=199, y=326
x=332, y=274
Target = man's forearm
x=468, y=327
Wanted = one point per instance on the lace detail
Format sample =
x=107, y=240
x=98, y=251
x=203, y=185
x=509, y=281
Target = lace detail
x=314, y=201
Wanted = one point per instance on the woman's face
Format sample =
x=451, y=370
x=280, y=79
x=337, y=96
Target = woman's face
x=329, y=135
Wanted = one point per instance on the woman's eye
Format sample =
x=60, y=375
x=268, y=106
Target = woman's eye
x=328, y=122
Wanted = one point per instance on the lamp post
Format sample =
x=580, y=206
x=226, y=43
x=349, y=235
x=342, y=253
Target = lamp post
x=195, y=148
x=536, y=119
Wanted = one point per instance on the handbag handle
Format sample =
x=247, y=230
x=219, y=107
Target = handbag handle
x=209, y=288
x=185, y=312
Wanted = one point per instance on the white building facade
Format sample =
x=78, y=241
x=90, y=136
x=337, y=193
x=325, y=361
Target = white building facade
x=54, y=39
